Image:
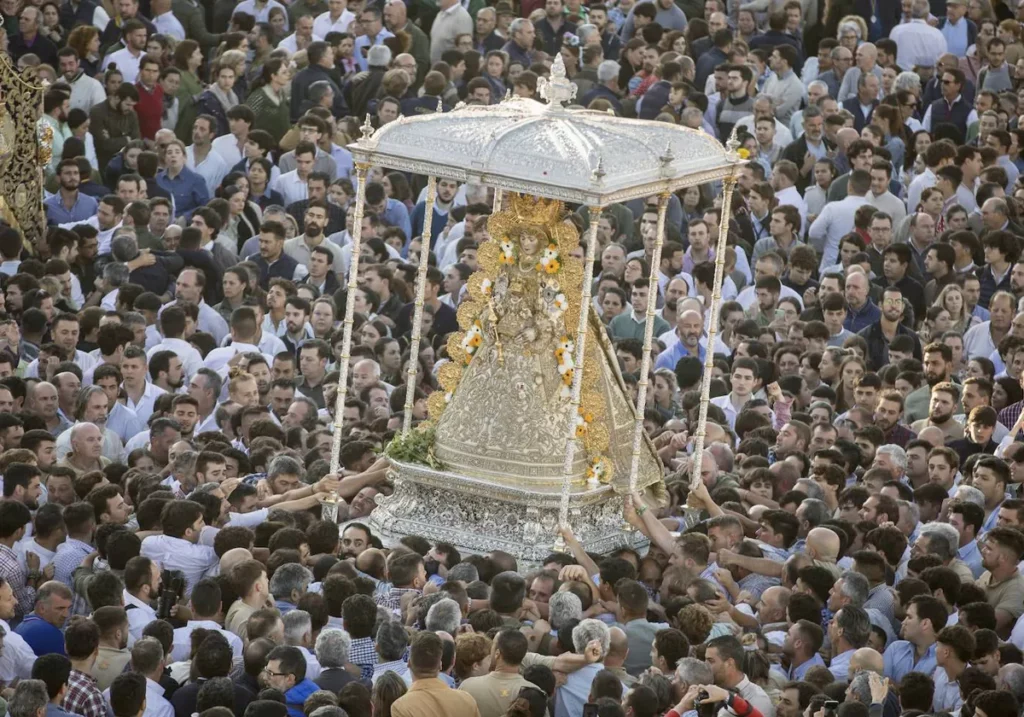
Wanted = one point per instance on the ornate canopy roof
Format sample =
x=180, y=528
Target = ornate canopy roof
x=575, y=155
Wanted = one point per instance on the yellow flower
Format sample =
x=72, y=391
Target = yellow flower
x=743, y=152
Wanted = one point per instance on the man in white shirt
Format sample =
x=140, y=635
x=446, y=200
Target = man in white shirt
x=200, y=157
x=243, y=340
x=836, y=219
x=64, y=332
x=337, y=18
x=260, y=9
x=178, y=549
x=292, y=185
x=86, y=91
x=189, y=287
x=127, y=60
x=918, y=43
x=231, y=146
x=140, y=393
x=141, y=591
x=172, y=325
x=302, y=38
x=164, y=20
x=148, y=660
x=205, y=603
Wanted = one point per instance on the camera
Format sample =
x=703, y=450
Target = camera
x=830, y=708
x=172, y=585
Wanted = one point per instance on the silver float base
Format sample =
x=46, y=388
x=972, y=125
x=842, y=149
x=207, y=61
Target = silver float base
x=479, y=517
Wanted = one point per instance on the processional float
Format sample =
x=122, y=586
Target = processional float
x=532, y=428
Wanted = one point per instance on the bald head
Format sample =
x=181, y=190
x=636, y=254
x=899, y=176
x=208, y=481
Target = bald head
x=232, y=558
x=823, y=544
x=933, y=436
x=867, y=659
x=847, y=135
x=618, y=646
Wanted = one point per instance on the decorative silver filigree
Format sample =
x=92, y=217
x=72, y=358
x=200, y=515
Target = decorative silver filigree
x=558, y=90
x=487, y=517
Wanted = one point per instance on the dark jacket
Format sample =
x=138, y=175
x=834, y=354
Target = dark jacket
x=111, y=130
x=770, y=39
x=602, y=92
x=333, y=679
x=305, y=79
x=654, y=99
x=158, y=277
x=283, y=268
x=795, y=152
x=860, y=121
x=878, y=346
x=184, y=698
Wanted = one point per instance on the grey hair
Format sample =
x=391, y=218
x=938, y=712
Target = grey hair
x=913, y=510
x=29, y=697
x=285, y=465
x=765, y=98
x=392, y=641
x=588, y=631
x=1011, y=677
x=115, y=274
x=607, y=70
x=919, y=9
x=860, y=687
x=812, y=489
x=585, y=31
x=378, y=56
x=819, y=83
x=287, y=578
x=297, y=623
x=907, y=81
x=318, y=90
x=563, y=607
x=464, y=572
x=205, y=488
x=855, y=587
x=898, y=455
x=816, y=510
x=444, y=616
x=849, y=27
x=184, y=465
x=691, y=671
x=724, y=458
x=84, y=394
x=332, y=647
x=124, y=248
x=518, y=24
x=943, y=539
x=970, y=494
x=309, y=423
x=214, y=382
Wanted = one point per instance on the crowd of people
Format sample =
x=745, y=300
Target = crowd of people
x=173, y=341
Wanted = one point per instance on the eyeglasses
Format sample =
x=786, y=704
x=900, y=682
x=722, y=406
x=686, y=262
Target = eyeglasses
x=275, y=674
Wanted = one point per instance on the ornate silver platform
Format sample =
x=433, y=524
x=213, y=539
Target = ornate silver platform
x=478, y=516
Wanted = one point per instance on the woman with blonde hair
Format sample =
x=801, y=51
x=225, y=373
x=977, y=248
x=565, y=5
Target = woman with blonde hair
x=951, y=298
x=388, y=688
x=666, y=391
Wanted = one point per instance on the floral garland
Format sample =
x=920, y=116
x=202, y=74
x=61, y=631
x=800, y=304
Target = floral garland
x=550, y=260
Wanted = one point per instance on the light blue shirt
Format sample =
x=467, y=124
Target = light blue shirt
x=840, y=666
x=956, y=37
x=570, y=697
x=797, y=673
x=901, y=658
x=363, y=42
x=947, y=694
x=670, y=356
x=990, y=522
x=972, y=556
x=123, y=421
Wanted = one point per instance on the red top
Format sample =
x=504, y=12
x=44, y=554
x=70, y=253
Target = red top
x=150, y=109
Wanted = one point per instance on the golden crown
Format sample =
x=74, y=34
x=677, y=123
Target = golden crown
x=535, y=210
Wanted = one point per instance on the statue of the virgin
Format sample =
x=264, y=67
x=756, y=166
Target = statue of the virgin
x=506, y=409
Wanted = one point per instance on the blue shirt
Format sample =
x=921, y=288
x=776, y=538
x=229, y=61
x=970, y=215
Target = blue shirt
x=901, y=658
x=70, y=555
x=840, y=666
x=670, y=356
x=41, y=636
x=188, y=189
x=991, y=521
x=123, y=421
x=570, y=697
x=947, y=694
x=956, y=36
x=396, y=215
x=83, y=208
x=797, y=673
x=972, y=556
